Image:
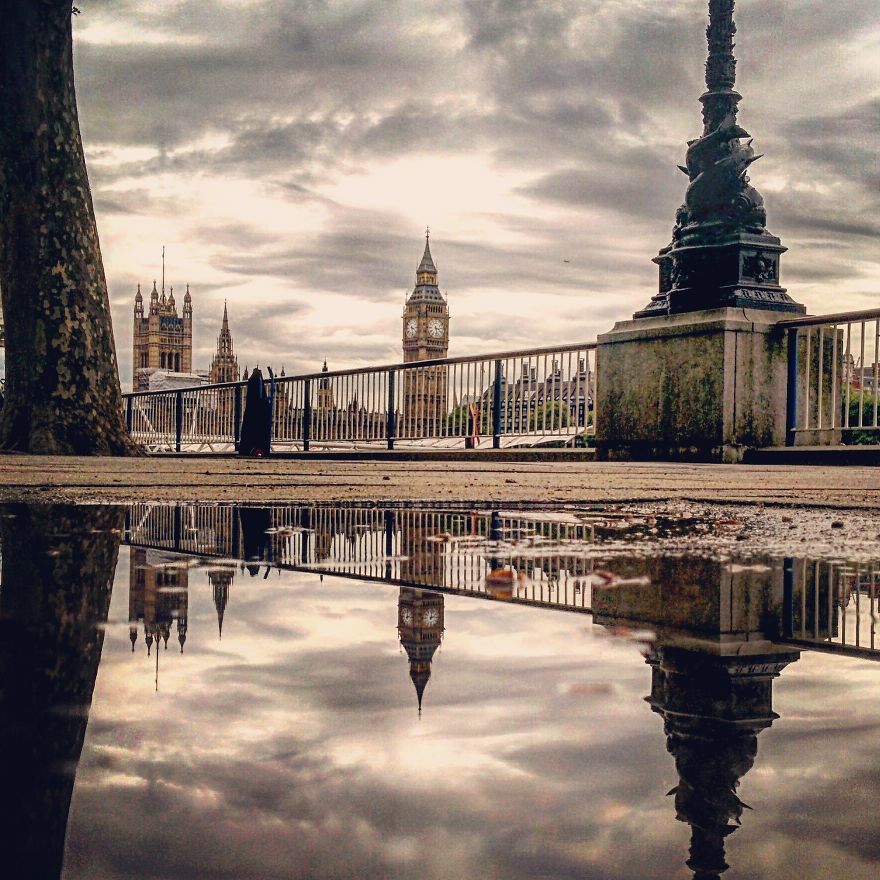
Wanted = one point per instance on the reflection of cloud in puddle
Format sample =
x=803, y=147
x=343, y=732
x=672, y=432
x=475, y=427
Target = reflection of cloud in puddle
x=589, y=689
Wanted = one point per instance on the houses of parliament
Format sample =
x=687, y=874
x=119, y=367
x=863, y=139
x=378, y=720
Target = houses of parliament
x=163, y=339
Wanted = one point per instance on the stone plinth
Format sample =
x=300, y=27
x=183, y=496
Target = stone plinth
x=702, y=385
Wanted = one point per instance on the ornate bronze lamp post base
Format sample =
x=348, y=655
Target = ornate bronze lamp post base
x=740, y=270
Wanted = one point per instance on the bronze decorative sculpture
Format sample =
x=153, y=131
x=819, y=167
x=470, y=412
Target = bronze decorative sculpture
x=721, y=253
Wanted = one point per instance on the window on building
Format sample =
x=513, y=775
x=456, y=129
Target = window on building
x=162, y=360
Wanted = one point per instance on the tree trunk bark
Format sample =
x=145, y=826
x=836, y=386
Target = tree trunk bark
x=62, y=384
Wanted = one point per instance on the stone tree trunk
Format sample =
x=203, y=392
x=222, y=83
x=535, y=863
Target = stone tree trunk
x=62, y=384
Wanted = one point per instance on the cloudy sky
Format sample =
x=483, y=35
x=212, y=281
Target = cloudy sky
x=290, y=154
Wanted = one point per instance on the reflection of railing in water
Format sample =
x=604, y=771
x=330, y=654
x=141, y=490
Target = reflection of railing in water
x=509, y=556
x=833, y=605
x=514, y=556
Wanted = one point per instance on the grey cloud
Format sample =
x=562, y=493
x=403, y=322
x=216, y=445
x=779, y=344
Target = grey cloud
x=244, y=60
x=648, y=187
x=342, y=261
x=844, y=145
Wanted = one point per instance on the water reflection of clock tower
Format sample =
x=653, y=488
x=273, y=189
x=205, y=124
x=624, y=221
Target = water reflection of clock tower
x=420, y=628
x=425, y=337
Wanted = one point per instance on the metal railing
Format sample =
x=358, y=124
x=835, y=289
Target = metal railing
x=528, y=397
x=833, y=378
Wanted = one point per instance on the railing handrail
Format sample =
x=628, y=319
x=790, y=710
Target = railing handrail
x=380, y=368
x=834, y=318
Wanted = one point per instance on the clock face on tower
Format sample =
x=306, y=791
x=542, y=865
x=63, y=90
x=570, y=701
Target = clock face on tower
x=406, y=616
x=430, y=617
x=435, y=328
x=412, y=327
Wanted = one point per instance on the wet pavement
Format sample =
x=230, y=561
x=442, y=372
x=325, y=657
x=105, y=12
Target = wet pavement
x=318, y=480
x=309, y=691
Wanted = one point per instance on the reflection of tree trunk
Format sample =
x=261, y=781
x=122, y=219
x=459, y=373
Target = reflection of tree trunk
x=62, y=383
x=58, y=566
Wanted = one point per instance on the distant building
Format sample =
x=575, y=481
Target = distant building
x=168, y=380
x=162, y=339
x=561, y=398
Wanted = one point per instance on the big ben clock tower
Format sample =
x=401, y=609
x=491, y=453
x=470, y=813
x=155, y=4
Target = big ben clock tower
x=425, y=337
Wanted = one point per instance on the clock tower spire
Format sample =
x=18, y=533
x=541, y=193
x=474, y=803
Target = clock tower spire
x=425, y=337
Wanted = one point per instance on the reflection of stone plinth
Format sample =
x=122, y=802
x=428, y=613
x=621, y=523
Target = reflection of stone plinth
x=694, y=602
x=703, y=385
x=713, y=661
x=713, y=709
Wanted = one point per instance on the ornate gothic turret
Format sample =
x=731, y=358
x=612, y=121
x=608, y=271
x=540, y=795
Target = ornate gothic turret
x=325, y=391
x=224, y=366
x=186, y=358
x=721, y=253
x=221, y=580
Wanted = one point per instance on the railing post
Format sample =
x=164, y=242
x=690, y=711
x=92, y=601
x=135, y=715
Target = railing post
x=391, y=427
x=791, y=401
x=305, y=525
x=177, y=526
x=178, y=420
x=389, y=543
x=236, y=417
x=787, y=597
x=235, y=532
x=307, y=414
x=497, y=426
x=129, y=414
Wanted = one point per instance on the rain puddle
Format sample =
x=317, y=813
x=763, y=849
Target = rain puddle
x=649, y=691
